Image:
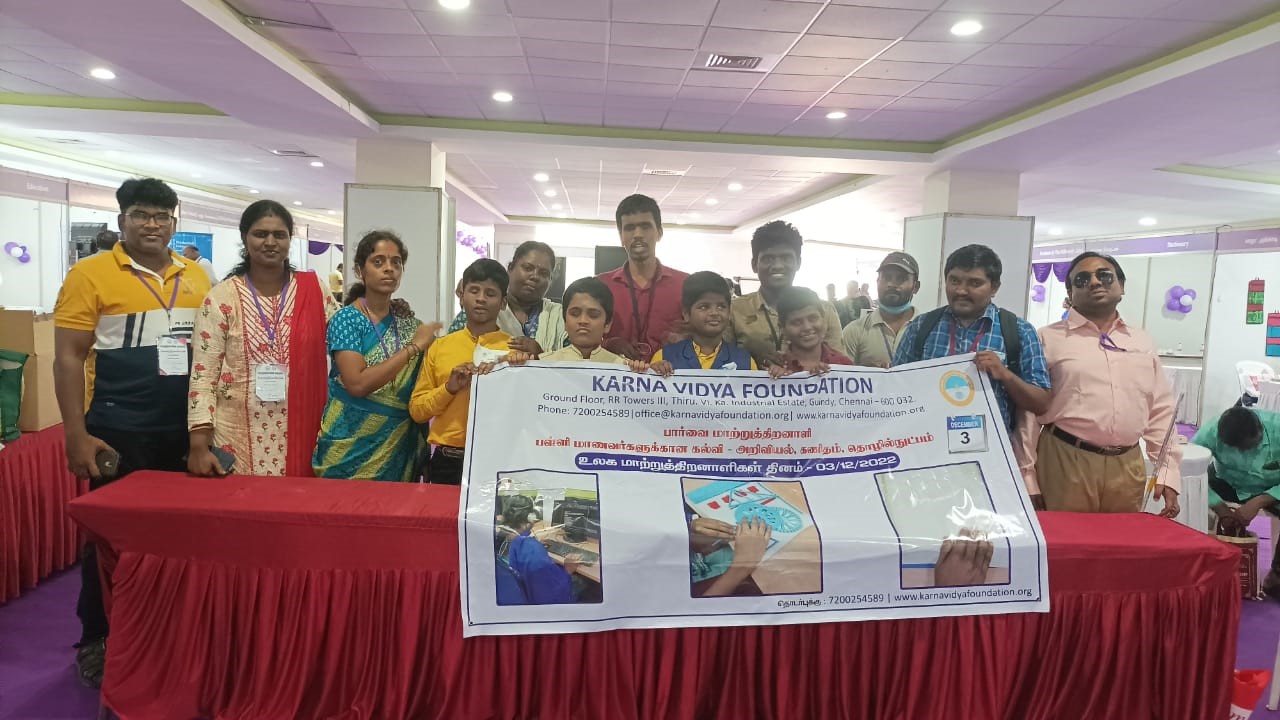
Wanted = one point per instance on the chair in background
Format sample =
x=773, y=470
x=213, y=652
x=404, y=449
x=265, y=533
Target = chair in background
x=1250, y=373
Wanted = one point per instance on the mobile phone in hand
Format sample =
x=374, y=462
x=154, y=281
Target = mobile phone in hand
x=225, y=459
x=108, y=462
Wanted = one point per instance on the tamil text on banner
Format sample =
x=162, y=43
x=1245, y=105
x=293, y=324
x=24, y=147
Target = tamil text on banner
x=596, y=497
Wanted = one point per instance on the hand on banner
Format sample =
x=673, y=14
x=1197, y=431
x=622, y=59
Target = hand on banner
x=990, y=363
x=460, y=378
x=1171, y=507
x=639, y=366
x=519, y=358
x=815, y=368
x=963, y=560
x=663, y=368
x=769, y=360
x=753, y=537
x=712, y=528
x=483, y=368
x=525, y=345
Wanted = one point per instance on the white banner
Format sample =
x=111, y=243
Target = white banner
x=596, y=498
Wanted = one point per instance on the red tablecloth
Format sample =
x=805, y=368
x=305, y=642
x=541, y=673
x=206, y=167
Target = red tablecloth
x=308, y=598
x=36, y=536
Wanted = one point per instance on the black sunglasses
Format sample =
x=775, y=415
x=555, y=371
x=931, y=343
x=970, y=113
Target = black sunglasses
x=1082, y=278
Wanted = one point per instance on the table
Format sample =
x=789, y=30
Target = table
x=1186, y=381
x=1269, y=395
x=36, y=536
x=277, y=597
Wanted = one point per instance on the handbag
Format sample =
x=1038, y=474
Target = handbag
x=1250, y=581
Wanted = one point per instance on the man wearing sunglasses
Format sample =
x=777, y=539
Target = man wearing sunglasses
x=1081, y=455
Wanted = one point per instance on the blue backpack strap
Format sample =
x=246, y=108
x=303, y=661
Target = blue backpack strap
x=928, y=323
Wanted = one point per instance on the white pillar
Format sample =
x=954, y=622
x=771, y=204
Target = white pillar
x=400, y=186
x=965, y=207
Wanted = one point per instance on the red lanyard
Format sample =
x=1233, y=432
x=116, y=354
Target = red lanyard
x=642, y=331
x=951, y=347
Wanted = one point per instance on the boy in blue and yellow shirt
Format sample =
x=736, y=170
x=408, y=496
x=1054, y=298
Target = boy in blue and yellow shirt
x=705, y=301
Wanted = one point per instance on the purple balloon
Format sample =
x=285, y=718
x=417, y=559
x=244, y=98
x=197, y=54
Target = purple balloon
x=1184, y=309
x=24, y=258
x=1176, y=291
x=1172, y=305
x=1190, y=292
x=9, y=247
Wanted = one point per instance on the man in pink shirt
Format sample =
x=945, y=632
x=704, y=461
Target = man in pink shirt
x=646, y=295
x=1109, y=391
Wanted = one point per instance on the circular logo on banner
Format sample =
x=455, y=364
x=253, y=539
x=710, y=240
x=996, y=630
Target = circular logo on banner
x=957, y=388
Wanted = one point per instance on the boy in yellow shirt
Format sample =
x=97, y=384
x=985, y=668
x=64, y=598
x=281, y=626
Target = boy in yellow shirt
x=442, y=395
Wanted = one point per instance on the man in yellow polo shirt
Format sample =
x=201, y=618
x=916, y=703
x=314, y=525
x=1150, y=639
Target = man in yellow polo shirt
x=442, y=395
x=122, y=339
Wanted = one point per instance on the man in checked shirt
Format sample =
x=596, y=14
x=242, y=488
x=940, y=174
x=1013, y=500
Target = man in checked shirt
x=1081, y=454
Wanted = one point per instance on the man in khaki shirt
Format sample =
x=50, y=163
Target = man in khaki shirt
x=872, y=339
x=753, y=318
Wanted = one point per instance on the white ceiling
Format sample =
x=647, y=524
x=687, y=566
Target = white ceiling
x=891, y=64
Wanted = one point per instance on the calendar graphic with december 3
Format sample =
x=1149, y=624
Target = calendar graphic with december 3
x=967, y=433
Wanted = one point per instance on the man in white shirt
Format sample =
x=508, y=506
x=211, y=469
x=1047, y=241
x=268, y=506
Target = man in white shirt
x=191, y=253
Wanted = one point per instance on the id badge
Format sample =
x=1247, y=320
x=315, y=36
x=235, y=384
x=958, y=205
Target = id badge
x=172, y=352
x=271, y=382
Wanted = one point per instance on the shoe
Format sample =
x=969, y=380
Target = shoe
x=1271, y=585
x=91, y=657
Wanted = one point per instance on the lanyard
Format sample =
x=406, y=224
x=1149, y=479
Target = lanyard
x=382, y=333
x=173, y=299
x=951, y=348
x=641, y=331
x=270, y=329
x=773, y=332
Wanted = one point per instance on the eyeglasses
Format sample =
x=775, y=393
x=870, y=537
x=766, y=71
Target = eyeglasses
x=142, y=218
x=1082, y=278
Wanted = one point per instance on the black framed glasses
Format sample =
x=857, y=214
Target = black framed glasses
x=142, y=218
x=1084, y=277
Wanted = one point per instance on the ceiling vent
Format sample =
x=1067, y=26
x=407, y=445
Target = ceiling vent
x=663, y=173
x=716, y=61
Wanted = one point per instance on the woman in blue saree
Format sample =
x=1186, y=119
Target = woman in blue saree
x=377, y=347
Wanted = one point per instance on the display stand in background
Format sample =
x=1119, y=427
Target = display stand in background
x=1273, y=335
x=1253, y=302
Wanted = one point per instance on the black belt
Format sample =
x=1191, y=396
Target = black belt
x=1072, y=440
x=451, y=452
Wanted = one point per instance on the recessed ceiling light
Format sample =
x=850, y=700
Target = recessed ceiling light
x=679, y=222
x=735, y=186
x=541, y=177
x=455, y=4
x=965, y=28
x=332, y=212
x=503, y=96
x=561, y=215
x=102, y=73
x=298, y=203
x=1055, y=231
x=196, y=175
x=549, y=192
x=695, y=215
x=711, y=201
x=557, y=206
x=316, y=163
x=837, y=115
x=112, y=153
x=253, y=191
x=1147, y=221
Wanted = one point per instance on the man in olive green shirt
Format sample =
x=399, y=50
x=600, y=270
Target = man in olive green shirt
x=872, y=339
x=753, y=318
x=1246, y=469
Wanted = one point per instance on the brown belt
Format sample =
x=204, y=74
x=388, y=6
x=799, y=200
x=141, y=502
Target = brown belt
x=1072, y=440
